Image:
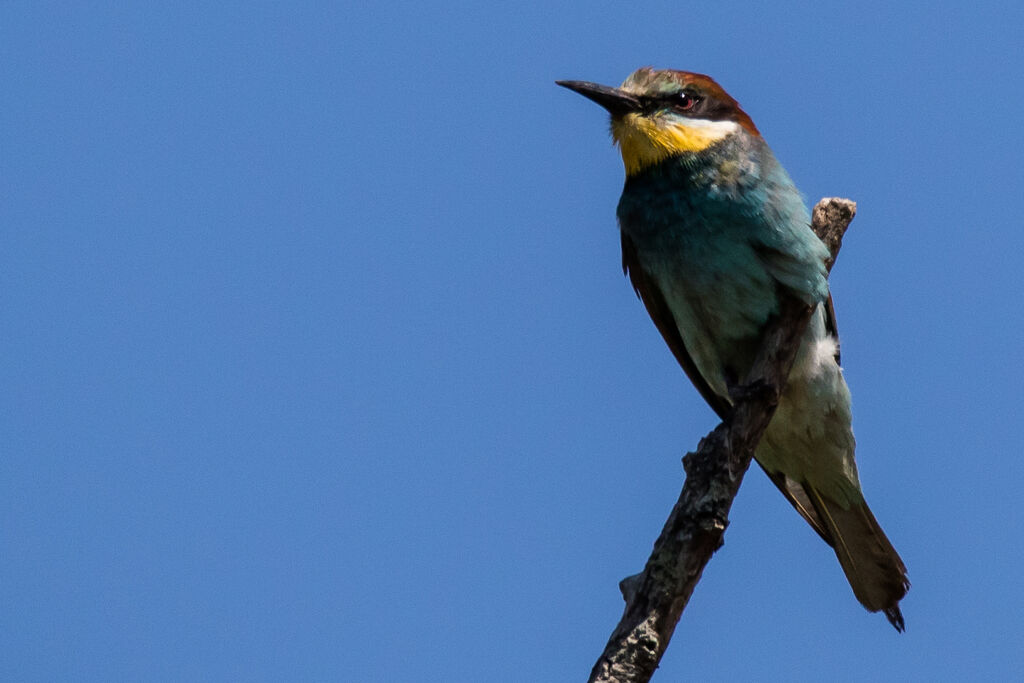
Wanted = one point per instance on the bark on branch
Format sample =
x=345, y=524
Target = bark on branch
x=656, y=597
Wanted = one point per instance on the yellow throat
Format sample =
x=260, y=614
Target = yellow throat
x=646, y=140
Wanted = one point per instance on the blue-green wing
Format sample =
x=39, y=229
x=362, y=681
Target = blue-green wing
x=654, y=301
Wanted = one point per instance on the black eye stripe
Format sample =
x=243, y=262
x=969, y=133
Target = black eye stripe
x=683, y=100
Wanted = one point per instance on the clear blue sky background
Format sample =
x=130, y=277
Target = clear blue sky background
x=318, y=363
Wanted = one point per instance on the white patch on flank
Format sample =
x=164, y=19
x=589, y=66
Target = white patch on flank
x=823, y=353
x=817, y=358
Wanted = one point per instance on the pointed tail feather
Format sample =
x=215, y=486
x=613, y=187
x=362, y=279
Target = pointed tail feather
x=872, y=566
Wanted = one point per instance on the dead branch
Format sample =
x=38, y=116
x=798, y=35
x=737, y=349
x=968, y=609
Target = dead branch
x=656, y=597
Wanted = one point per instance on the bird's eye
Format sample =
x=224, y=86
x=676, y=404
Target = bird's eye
x=685, y=100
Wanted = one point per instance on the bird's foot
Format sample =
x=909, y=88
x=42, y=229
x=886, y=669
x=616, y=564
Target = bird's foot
x=754, y=391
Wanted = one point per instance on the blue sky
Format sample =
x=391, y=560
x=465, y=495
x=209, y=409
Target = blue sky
x=318, y=362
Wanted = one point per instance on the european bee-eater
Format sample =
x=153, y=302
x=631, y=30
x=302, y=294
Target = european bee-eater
x=713, y=231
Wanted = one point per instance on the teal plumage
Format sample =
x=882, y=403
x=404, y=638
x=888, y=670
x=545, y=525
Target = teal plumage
x=713, y=233
x=727, y=236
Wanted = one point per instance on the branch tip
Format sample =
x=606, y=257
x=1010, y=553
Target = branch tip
x=656, y=598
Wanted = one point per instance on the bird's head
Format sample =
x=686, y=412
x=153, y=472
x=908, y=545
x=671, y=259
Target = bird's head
x=657, y=114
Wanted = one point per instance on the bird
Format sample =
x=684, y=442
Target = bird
x=714, y=232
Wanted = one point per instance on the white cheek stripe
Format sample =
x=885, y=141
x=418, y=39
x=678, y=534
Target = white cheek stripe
x=723, y=128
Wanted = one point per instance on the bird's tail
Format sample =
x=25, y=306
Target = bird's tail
x=872, y=566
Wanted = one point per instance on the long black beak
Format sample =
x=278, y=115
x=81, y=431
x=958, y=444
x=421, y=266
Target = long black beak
x=617, y=102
